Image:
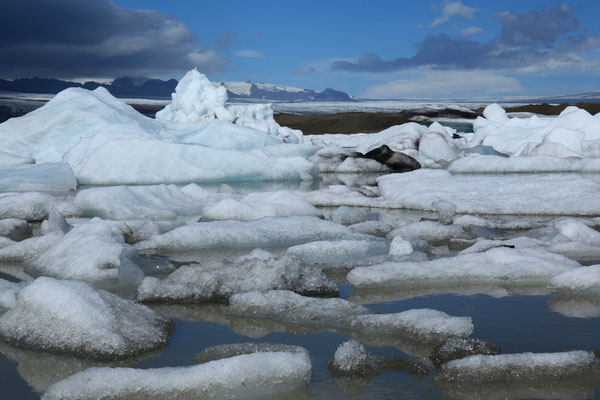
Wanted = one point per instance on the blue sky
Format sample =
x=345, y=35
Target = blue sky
x=380, y=49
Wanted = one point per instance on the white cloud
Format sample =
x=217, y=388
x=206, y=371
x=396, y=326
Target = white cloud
x=249, y=54
x=452, y=83
x=452, y=9
x=470, y=31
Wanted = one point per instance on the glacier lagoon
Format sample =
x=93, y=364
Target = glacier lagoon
x=459, y=250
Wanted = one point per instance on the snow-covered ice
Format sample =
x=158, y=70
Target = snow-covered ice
x=15, y=229
x=475, y=164
x=73, y=317
x=220, y=351
x=258, y=375
x=350, y=216
x=8, y=159
x=579, y=280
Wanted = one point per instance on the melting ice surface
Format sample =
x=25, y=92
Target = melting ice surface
x=374, y=286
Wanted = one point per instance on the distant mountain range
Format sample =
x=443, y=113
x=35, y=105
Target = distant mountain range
x=157, y=89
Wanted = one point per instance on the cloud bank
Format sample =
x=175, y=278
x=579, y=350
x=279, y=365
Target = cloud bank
x=96, y=38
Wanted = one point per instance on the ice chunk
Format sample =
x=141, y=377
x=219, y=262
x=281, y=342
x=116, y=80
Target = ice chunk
x=8, y=159
x=578, y=280
x=232, y=350
x=456, y=348
x=338, y=251
x=359, y=165
x=374, y=228
x=29, y=248
x=498, y=265
x=351, y=356
x=423, y=323
x=258, y=205
x=8, y=293
x=47, y=177
x=260, y=117
x=400, y=246
x=518, y=366
x=350, y=216
x=15, y=229
x=258, y=375
x=550, y=194
x=196, y=99
x=257, y=271
x=90, y=253
x=268, y=231
x=445, y=210
x=289, y=306
x=135, y=202
x=72, y=317
x=429, y=231
x=435, y=147
x=31, y=206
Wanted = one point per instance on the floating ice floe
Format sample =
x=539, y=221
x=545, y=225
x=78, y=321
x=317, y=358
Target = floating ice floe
x=258, y=375
x=47, y=177
x=550, y=194
x=400, y=246
x=268, y=231
x=106, y=141
x=574, y=132
x=90, y=253
x=520, y=366
x=425, y=324
x=217, y=282
x=73, y=317
x=583, y=280
x=350, y=216
x=338, y=252
x=499, y=265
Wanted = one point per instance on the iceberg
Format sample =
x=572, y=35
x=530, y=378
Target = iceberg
x=194, y=139
x=8, y=159
x=338, y=252
x=248, y=376
x=579, y=280
x=73, y=317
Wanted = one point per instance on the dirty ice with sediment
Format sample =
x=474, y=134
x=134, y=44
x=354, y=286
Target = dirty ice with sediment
x=121, y=236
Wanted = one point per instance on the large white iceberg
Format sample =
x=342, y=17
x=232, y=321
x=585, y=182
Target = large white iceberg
x=107, y=142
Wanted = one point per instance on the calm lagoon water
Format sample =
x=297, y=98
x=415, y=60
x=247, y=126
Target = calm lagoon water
x=515, y=323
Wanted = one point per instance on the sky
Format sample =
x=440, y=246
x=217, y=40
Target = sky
x=377, y=49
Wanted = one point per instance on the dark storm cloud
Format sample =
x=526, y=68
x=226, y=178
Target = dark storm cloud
x=95, y=38
x=525, y=41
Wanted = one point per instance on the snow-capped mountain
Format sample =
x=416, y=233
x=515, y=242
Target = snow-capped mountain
x=270, y=91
